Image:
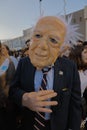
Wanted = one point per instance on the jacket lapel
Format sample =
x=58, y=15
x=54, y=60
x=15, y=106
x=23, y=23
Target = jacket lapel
x=58, y=75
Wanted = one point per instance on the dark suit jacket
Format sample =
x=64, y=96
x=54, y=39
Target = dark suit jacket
x=67, y=114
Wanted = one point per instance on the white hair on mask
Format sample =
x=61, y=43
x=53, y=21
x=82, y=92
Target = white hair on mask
x=72, y=34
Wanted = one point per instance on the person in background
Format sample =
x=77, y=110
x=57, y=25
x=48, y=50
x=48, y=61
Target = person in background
x=65, y=51
x=27, y=42
x=85, y=43
x=84, y=54
x=60, y=102
x=7, y=71
x=6, y=53
x=25, y=52
x=26, y=49
x=79, y=56
x=79, y=42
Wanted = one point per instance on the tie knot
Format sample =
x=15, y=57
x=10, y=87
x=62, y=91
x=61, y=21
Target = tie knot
x=46, y=70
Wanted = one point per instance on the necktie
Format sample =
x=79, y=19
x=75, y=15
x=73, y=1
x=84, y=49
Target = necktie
x=39, y=116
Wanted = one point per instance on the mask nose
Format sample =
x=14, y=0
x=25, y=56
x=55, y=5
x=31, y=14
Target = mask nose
x=43, y=44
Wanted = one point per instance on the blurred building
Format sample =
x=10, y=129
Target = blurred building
x=19, y=42
x=78, y=17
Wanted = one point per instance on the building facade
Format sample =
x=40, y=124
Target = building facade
x=80, y=18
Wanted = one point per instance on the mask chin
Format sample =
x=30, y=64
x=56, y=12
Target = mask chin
x=43, y=66
x=40, y=67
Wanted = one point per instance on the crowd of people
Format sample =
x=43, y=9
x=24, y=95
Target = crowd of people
x=78, y=54
x=64, y=99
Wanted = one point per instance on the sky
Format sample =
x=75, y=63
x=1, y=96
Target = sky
x=19, y=15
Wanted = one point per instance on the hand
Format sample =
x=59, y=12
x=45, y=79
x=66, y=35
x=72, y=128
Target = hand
x=37, y=101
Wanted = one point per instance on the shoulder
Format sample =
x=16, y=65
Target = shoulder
x=14, y=60
x=4, y=66
x=67, y=65
x=25, y=61
x=11, y=68
x=66, y=61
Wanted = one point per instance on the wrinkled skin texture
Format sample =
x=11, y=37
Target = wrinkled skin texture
x=48, y=37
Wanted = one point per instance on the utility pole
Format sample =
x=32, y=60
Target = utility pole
x=64, y=8
x=85, y=17
x=40, y=6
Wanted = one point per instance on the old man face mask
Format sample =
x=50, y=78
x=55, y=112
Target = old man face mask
x=47, y=39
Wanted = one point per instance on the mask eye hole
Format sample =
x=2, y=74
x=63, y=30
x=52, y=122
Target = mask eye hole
x=38, y=36
x=53, y=40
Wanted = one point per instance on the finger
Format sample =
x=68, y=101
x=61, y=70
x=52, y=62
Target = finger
x=48, y=96
x=44, y=92
x=41, y=109
x=47, y=103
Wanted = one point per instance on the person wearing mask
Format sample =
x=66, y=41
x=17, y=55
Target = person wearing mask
x=48, y=100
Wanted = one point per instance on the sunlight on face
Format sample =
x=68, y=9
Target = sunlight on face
x=4, y=50
x=47, y=39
